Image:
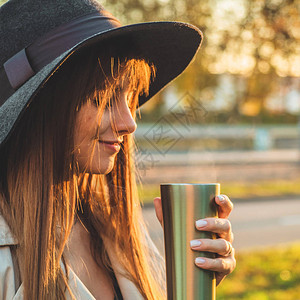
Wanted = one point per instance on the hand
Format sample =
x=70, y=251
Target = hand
x=224, y=263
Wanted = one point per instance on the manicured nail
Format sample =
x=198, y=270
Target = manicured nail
x=195, y=243
x=201, y=223
x=221, y=198
x=199, y=261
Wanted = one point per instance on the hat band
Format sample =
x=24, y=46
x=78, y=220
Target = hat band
x=26, y=63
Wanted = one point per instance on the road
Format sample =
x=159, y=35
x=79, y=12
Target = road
x=255, y=224
x=209, y=166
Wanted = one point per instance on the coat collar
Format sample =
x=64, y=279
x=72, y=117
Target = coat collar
x=6, y=237
x=128, y=289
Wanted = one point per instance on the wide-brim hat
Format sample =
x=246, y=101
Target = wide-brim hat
x=37, y=37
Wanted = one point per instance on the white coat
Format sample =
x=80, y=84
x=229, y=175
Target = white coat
x=9, y=291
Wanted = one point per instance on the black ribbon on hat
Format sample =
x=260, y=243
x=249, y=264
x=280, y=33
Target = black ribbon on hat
x=26, y=63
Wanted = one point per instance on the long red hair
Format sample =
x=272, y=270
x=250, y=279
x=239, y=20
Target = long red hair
x=42, y=190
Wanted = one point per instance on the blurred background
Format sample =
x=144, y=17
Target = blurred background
x=232, y=117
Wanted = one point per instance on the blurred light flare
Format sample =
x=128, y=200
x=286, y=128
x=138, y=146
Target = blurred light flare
x=247, y=35
x=267, y=49
x=226, y=18
x=263, y=67
x=285, y=275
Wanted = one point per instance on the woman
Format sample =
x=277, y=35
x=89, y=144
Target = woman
x=71, y=81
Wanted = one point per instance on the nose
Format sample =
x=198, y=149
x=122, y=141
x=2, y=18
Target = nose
x=125, y=124
x=123, y=120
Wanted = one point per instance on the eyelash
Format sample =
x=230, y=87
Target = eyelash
x=108, y=103
x=96, y=103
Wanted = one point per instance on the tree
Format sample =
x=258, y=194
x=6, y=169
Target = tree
x=257, y=41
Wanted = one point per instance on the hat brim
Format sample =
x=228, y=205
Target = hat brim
x=170, y=46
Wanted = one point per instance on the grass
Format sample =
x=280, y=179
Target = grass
x=272, y=274
x=239, y=190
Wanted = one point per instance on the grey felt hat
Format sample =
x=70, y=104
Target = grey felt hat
x=37, y=37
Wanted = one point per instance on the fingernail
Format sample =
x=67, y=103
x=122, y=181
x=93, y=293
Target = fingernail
x=195, y=243
x=201, y=223
x=199, y=260
x=221, y=198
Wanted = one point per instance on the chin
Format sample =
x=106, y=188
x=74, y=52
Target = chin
x=108, y=170
x=96, y=167
x=101, y=169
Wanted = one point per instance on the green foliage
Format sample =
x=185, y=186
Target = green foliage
x=264, y=275
x=239, y=190
x=255, y=41
x=266, y=188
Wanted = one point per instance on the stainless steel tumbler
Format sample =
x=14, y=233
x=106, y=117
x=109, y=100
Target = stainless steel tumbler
x=182, y=205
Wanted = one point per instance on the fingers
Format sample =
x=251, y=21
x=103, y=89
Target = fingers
x=219, y=246
x=222, y=266
x=225, y=206
x=222, y=227
x=158, y=209
x=225, y=261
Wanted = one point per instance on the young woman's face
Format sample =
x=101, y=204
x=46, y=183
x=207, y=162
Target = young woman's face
x=97, y=142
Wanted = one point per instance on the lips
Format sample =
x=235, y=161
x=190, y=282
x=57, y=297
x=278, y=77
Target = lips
x=112, y=145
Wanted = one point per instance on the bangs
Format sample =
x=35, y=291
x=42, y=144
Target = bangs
x=114, y=74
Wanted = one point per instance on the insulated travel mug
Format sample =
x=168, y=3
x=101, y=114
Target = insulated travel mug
x=182, y=205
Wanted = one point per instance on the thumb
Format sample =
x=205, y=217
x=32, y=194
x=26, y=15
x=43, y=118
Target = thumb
x=158, y=209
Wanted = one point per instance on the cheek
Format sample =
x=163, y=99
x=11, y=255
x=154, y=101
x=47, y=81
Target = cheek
x=85, y=129
x=105, y=122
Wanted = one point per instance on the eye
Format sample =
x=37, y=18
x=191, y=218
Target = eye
x=107, y=105
x=95, y=102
